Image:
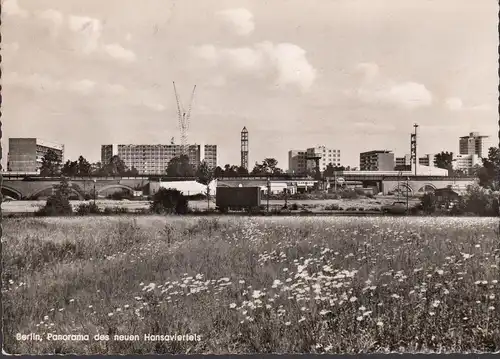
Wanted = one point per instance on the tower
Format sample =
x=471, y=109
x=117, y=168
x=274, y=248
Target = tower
x=413, y=149
x=184, y=117
x=244, y=148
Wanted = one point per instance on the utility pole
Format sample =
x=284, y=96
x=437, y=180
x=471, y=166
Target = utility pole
x=407, y=193
x=268, y=192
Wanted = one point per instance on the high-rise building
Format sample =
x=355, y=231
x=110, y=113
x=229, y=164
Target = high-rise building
x=297, y=161
x=427, y=160
x=154, y=159
x=376, y=161
x=26, y=154
x=404, y=163
x=473, y=144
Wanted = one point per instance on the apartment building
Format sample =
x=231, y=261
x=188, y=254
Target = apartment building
x=474, y=144
x=154, y=159
x=376, y=161
x=26, y=154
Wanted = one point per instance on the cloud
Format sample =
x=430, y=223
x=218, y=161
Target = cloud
x=12, y=8
x=373, y=127
x=286, y=62
x=118, y=52
x=34, y=81
x=378, y=90
x=84, y=87
x=114, y=89
x=89, y=30
x=456, y=104
x=53, y=16
x=241, y=19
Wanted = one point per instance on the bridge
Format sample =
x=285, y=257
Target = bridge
x=26, y=187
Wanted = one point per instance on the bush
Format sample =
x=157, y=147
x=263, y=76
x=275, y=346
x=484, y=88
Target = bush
x=480, y=201
x=119, y=195
x=169, y=201
x=332, y=207
x=429, y=203
x=88, y=208
x=294, y=207
x=58, y=204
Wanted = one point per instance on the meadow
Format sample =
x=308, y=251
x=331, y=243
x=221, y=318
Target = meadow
x=253, y=285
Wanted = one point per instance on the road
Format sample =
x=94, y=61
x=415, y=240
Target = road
x=33, y=206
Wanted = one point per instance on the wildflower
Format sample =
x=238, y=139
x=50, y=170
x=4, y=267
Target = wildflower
x=110, y=314
x=232, y=305
x=324, y=312
x=492, y=296
x=362, y=308
x=353, y=299
x=436, y=303
x=432, y=313
x=90, y=306
x=360, y=318
x=288, y=324
x=302, y=319
x=380, y=324
x=491, y=308
x=71, y=300
x=126, y=306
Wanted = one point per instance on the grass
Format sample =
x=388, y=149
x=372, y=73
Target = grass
x=259, y=285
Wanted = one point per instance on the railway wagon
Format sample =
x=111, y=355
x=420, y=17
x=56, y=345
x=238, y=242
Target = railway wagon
x=238, y=198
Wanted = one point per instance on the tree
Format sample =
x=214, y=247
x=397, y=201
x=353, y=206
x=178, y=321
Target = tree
x=428, y=202
x=205, y=176
x=115, y=167
x=218, y=172
x=170, y=201
x=70, y=169
x=444, y=160
x=58, y=204
x=180, y=167
x=84, y=167
x=489, y=174
x=331, y=169
x=267, y=167
x=242, y=171
x=51, y=164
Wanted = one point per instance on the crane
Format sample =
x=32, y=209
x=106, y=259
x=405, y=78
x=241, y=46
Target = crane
x=184, y=117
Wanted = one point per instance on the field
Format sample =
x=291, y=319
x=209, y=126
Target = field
x=131, y=206
x=259, y=285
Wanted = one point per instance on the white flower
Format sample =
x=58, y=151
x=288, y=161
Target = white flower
x=232, y=305
x=380, y=324
x=353, y=299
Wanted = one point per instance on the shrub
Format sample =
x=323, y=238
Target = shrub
x=428, y=202
x=294, y=207
x=119, y=195
x=332, y=207
x=480, y=201
x=169, y=201
x=58, y=204
x=88, y=208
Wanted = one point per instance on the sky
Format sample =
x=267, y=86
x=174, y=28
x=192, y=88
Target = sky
x=353, y=75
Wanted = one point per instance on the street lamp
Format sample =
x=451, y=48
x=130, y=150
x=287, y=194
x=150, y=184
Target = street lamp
x=94, y=190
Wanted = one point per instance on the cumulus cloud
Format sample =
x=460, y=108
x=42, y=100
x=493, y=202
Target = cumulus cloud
x=241, y=19
x=378, y=90
x=286, y=62
x=12, y=8
x=89, y=31
x=456, y=104
x=119, y=52
x=53, y=16
x=37, y=82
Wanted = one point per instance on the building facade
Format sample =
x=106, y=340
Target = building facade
x=376, y=161
x=473, y=144
x=26, y=154
x=427, y=160
x=466, y=162
x=327, y=156
x=154, y=159
x=297, y=162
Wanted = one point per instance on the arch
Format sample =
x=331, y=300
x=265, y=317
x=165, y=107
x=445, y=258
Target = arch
x=12, y=192
x=130, y=189
x=428, y=187
x=74, y=191
x=401, y=187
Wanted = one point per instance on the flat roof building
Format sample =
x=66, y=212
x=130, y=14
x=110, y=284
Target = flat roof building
x=26, y=154
x=473, y=144
x=377, y=160
x=154, y=159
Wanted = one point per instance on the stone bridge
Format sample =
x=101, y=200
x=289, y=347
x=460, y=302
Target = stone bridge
x=416, y=187
x=31, y=189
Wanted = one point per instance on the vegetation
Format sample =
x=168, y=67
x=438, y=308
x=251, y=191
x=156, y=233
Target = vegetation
x=265, y=285
x=58, y=204
x=268, y=166
x=169, y=201
x=51, y=164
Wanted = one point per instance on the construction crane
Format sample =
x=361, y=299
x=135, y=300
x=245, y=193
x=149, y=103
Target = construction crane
x=184, y=117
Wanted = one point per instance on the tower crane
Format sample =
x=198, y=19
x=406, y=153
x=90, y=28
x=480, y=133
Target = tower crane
x=184, y=117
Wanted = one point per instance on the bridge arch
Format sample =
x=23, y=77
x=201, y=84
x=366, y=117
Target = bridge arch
x=128, y=188
x=427, y=187
x=12, y=192
x=402, y=186
x=72, y=190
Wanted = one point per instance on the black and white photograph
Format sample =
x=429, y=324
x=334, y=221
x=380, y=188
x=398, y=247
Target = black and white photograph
x=250, y=177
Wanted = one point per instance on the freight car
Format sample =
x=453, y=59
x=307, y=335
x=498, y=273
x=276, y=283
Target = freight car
x=238, y=198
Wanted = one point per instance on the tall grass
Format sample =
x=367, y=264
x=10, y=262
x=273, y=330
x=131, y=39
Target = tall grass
x=259, y=285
